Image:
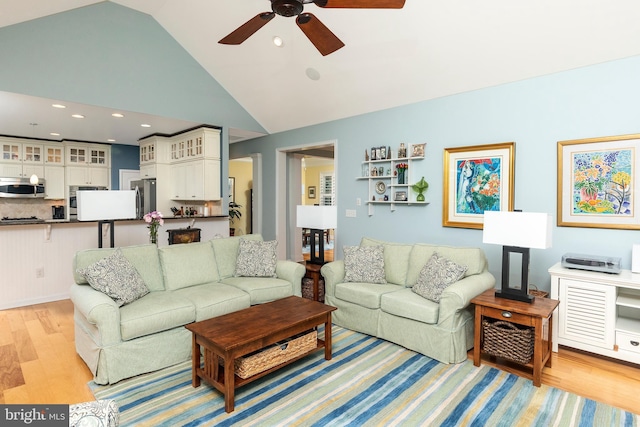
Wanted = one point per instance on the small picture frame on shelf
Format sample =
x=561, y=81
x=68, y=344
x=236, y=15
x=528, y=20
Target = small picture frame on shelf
x=311, y=192
x=417, y=150
x=400, y=196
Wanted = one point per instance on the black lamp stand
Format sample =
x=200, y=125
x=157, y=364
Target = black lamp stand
x=316, y=257
x=518, y=294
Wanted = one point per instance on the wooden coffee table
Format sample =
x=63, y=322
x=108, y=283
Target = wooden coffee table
x=237, y=334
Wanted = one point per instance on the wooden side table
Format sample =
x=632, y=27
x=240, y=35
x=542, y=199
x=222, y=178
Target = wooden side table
x=537, y=315
x=313, y=273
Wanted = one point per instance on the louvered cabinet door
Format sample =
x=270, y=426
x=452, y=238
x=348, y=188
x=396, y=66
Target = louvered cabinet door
x=588, y=315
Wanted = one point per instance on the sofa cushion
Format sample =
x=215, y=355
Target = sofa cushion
x=364, y=264
x=405, y=303
x=116, y=277
x=188, y=265
x=261, y=289
x=226, y=251
x=143, y=257
x=473, y=258
x=155, y=312
x=396, y=259
x=214, y=299
x=436, y=275
x=256, y=259
x=364, y=294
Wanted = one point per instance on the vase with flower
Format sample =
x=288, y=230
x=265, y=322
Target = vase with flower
x=154, y=219
x=401, y=172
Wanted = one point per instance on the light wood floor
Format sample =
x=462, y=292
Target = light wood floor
x=39, y=364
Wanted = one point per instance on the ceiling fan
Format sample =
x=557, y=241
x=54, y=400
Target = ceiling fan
x=322, y=38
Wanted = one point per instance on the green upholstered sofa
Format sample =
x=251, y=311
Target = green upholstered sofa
x=392, y=311
x=187, y=283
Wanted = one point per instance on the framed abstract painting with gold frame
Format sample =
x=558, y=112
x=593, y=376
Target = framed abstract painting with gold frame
x=598, y=182
x=477, y=178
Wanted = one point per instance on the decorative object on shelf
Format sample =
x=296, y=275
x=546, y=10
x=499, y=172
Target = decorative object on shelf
x=381, y=187
x=311, y=192
x=389, y=152
x=234, y=213
x=317, y=219
x=232, y=189
x=402, y=151
x=374, y=171
x=383, y=153
x=381, y=171
x=417, y=150
x=401, y=169
x=420, y=187
x=365, y=169
x=597, y=178
x=477, y=179
x=154, y=219
x=386, y=198
x=366, y=155
x=400, y=196
x=373, y=153
x=517, y=232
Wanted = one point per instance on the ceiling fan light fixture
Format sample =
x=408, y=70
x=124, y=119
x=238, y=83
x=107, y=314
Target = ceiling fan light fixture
x=287, y=8
x=277, y=40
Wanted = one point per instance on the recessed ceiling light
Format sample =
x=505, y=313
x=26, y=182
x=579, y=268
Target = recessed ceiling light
x=54, y=134
x=111, y=140
x=144, y=125
x=58, y=106
x=278, y=41
x=118, y=115
x=77, y=116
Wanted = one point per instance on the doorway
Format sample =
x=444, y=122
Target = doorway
x=293, y=188
x=242, y=195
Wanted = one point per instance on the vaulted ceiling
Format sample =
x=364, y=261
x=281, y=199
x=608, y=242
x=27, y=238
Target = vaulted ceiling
x=426, y=50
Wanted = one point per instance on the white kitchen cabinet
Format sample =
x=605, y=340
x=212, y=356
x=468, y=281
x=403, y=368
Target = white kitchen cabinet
x=201, y=143
x=21, y=159
x=598, y=312
x=94, y=155
x=54, y=155
x=55, y=182
x=196, y=180
x=86, y=175
x=148, y=171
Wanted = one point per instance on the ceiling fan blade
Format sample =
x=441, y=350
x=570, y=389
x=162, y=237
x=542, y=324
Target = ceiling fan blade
x=361, y=4
x=247, y=29
x=322, y=38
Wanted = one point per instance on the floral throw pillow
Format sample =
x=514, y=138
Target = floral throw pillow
x=364, y=264
x=116, y=277
x=436, y=275
x=256, y=258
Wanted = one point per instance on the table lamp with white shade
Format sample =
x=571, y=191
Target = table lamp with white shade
x=317, y=219
x=518, y=232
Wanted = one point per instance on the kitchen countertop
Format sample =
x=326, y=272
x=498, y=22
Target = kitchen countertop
x=75, y=221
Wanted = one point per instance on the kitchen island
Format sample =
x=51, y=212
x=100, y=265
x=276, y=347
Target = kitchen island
x=36, y=258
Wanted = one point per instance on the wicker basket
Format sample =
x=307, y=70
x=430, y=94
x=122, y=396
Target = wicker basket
x=276, y=354
x=533, y=290
x=507, y=340
x=307, y=288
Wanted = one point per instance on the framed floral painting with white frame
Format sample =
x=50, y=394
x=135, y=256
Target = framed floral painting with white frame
x=477, y=178
x=598, y=182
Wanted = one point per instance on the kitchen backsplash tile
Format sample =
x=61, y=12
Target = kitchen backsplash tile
x=25, y=208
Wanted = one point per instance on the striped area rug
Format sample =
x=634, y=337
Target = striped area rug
x=368, y=382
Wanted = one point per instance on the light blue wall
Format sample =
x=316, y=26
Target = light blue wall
x=112, y=56
x=594, y=101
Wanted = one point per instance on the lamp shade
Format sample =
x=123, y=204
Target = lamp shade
x=316, y=217
x=96, y=205
x=522, y=229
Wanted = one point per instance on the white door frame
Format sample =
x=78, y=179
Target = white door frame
x=126, y=176
x=285, y=225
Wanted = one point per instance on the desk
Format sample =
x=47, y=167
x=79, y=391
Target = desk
x=537, y=315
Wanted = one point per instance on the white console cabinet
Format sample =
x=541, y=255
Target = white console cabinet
x=598, y=312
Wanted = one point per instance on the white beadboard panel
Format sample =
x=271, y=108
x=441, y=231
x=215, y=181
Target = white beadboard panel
x=26, y=248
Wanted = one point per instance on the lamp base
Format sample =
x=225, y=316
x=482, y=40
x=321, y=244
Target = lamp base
x=515, y=295
x=316, y=237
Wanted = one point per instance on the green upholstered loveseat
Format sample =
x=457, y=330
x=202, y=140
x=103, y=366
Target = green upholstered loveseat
x=187, y=283
x=392, y=311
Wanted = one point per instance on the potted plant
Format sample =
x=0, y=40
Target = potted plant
x=234, y=213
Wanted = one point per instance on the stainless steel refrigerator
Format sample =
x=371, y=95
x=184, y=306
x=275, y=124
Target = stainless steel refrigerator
x=145, y=196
